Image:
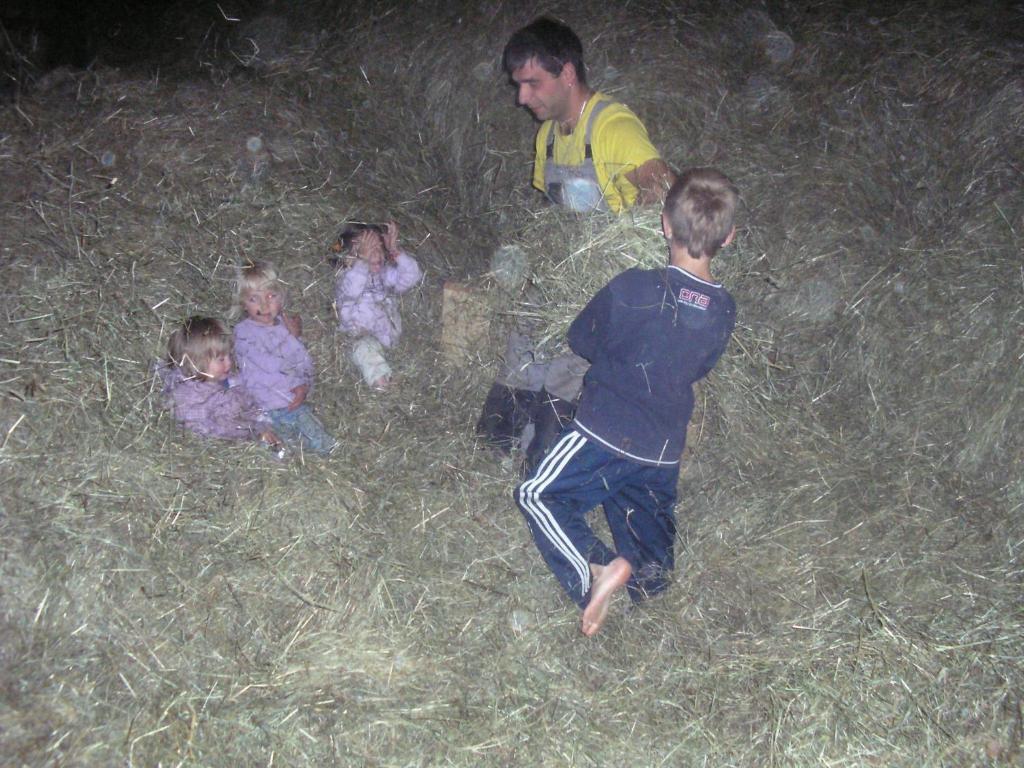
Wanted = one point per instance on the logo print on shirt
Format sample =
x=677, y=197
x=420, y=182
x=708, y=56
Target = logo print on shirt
x=694, y=299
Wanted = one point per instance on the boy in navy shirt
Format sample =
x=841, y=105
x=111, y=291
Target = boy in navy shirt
x=649, y=335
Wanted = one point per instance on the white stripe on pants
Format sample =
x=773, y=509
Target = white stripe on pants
x=529, y=499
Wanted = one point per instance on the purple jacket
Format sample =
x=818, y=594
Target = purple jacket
x=366, y=301
x=211, y=409
x=271, y=363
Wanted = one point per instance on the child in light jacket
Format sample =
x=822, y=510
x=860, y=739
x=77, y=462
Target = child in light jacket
x=196, y=388
x=366, y=293
x=273, y=363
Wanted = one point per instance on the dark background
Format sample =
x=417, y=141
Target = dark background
x=41, y=35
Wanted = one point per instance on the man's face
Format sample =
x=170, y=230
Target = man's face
x=544, y=94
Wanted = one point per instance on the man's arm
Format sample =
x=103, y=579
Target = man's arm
x=652, y=180
x=624, y=151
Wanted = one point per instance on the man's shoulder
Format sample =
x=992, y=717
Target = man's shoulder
x=613, y=114
x=620, y=137
x=609, y=117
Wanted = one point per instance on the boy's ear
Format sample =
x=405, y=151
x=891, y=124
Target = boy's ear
x=666, y=228
x=729, y=237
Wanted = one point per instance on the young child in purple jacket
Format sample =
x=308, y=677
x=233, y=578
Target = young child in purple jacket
x=196, y=385
x=378, y=271
x=273, y=363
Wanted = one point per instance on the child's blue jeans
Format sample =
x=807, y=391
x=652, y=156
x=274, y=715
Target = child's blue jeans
x=301, y=427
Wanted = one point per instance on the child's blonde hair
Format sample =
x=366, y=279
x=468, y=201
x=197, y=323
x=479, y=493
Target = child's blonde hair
x=255, y=276
x=194, y=345
x=701, y=207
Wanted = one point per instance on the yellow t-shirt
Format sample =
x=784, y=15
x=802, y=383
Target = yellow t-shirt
x=619, y=143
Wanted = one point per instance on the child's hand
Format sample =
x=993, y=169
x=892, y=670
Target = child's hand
x=391, y=240
x=293, y=322
x=300, y=393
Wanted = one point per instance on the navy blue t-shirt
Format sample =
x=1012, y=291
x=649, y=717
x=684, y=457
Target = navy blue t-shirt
x=649, y=335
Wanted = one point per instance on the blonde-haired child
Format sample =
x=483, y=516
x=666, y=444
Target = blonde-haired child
x=649, y=334
x=378, y=271
x=273, y=363
x=196, y=385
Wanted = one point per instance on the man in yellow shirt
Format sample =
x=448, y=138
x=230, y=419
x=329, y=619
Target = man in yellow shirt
x=592, y=153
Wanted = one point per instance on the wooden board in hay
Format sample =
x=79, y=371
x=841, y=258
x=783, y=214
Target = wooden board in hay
x=465, y=323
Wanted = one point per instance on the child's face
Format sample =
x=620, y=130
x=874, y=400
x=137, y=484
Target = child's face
x=369, y=247
x=263, y=306
x=218, y=368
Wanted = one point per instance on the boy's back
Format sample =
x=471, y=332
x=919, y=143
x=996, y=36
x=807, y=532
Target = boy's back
x=649, y=334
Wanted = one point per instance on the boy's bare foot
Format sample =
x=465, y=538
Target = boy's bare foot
x=608, y=579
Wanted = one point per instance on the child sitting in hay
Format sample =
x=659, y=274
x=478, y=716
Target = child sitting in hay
x=649, y=335
x=377, y=271
x=196, y=385
x=273, y=363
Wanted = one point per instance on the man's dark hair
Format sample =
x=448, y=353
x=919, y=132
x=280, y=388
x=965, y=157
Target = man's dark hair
x=551, y=43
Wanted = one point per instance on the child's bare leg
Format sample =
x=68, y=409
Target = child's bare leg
x=608, y=579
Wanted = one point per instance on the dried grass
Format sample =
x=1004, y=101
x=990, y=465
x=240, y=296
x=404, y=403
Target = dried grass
x=850, y=543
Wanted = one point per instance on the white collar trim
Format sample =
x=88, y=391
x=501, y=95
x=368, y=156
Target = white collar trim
x=694, y=277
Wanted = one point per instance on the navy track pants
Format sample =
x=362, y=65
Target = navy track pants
x=575, y=476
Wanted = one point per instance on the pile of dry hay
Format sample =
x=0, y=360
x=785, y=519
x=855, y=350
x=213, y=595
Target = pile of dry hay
x=850, y=543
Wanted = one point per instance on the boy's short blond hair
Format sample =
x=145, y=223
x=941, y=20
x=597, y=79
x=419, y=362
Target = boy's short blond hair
x=701, y=210
x=255, y=276
x=194, y=345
